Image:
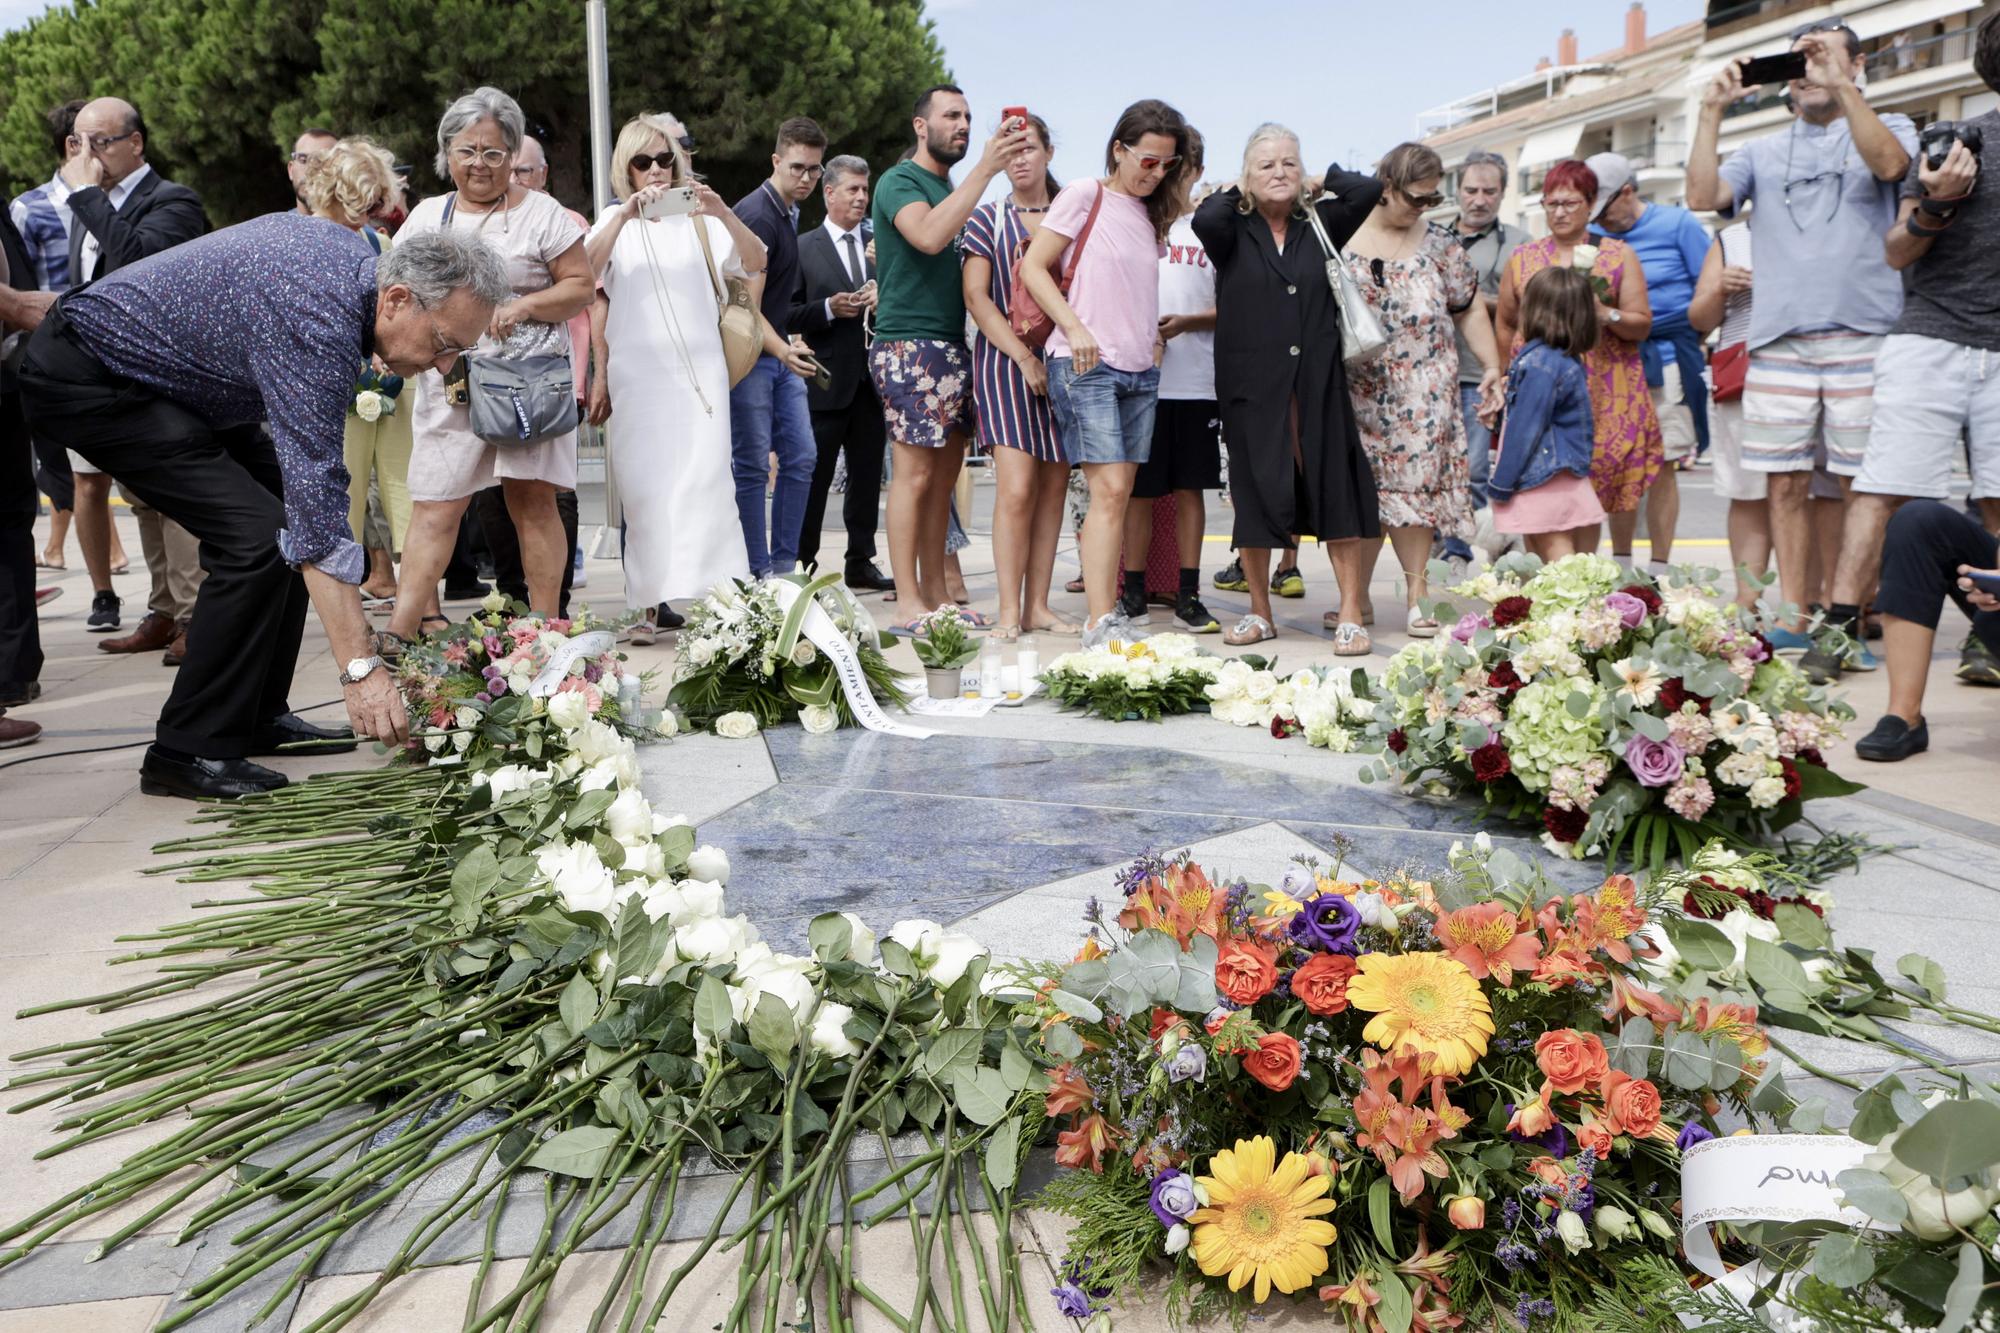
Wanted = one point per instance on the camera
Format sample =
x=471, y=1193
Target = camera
x=1937, y=138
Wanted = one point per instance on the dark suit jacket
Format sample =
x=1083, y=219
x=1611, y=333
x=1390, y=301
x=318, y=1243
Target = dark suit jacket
x=837, y=343
x=158, y=215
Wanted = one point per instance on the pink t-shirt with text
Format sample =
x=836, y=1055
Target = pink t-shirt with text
x=1116, y=290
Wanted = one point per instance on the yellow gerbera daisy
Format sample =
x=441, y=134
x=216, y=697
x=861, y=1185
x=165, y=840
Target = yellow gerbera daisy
x=1261, y=1223
x=1425, y=1004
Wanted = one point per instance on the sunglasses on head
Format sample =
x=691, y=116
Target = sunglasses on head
x=1148, y=161
x=646, y=161
x=1826, y=25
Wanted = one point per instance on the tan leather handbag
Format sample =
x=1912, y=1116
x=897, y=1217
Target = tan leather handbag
x=737, y=318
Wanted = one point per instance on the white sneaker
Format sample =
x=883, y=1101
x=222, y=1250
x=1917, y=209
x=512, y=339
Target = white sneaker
x=1112, y=625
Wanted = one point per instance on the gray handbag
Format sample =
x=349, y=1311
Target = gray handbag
x=520, y=399
x=1361, y=334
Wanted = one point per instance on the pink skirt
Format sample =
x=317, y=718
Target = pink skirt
x=1566, y=501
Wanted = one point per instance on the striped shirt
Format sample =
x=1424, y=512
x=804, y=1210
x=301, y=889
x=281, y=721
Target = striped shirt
x=42, y=217
x=1010, y=412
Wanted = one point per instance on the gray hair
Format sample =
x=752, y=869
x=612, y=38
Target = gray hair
x=1482, y=158
x=840, y=168
x=471, y=108
x=1269, y=132
x=435, y=264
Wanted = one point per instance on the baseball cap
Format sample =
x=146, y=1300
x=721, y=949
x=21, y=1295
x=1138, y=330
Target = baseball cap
x=1613, y=172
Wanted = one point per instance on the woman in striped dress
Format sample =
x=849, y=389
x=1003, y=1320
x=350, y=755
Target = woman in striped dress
x=1010, y=391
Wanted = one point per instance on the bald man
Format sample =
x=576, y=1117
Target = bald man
x=122, y=210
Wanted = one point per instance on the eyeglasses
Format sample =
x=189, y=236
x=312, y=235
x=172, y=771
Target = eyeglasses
x=521, y=173
x=804, y=170
x=492, y=157
x=440, y=345
x=646, y=161
x=100, y=142
x=1422, y=201
x=1563, y=205
x=1148, y=161
x=300, y=159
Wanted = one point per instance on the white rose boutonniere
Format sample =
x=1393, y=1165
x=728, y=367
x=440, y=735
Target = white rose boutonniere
x=1583, y=257
x=736, y=726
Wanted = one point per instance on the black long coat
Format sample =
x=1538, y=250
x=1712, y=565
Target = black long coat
x=1277, y=342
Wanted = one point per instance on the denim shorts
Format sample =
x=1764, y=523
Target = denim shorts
x=1104, y=415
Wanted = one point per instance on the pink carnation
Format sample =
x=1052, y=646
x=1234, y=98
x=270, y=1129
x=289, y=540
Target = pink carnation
x=1690, y=798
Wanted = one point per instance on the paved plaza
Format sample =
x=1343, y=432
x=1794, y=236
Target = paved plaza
x=1005, y=825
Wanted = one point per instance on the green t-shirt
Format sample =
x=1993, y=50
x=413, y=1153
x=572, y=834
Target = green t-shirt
x=920, y=295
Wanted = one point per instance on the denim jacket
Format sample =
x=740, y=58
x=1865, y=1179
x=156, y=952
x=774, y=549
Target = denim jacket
x=1548, y=426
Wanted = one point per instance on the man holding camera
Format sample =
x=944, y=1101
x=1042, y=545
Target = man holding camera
x=1825, y=191
x=1938, y=375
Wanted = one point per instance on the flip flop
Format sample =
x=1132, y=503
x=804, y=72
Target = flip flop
x=889, y=596
x=975, y=619
x=1055, y=627
x=1006, y=633
x=49, y=564
x=913, y=629
x=1074, y=585
x=122, y=567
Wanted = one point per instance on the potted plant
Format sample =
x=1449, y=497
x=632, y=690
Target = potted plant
x=944, y=648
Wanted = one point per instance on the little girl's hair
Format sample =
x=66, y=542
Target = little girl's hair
x=1559, y=307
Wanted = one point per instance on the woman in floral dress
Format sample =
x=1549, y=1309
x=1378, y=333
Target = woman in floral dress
x=1420, y=284
x=1629, y=451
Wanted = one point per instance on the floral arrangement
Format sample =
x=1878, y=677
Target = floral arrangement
x=944, y=645
x=1615, y=711
x=1434, y=1105
x=375, y=394
x=742, y=652
x=1150, y=678
x=1331, y=709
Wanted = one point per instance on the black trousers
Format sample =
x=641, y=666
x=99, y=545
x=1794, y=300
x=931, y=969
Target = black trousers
x=505, y=543
x=858, y=429
x=223, y=485
x=1926, y=543
x=20, y=633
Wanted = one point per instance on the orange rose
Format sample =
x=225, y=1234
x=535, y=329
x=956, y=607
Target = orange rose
x=1633, y=1104
x=1572, y=1060
x=1594, y=1135
x=1245, y=972
x=1321, y=984
x=1532, y=1120
x=1467, y=1212
x=1549, y=1171
x=1275, y=1062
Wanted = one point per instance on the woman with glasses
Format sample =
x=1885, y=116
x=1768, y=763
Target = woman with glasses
x=1107, y=235
x=1629, y=451
x=1295, y=459
x=669, y=428
x=478, y=138
x=1421, y=285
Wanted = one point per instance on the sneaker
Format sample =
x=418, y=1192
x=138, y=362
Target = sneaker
x=1894, y=739
x=1288, y=582
x=1111, y=625
x=1860, y=659
x=1976, y=663
x=1132, y=606
x=1193, y=617
x=1787, y=641
x=1231, y=579
x=103, y=613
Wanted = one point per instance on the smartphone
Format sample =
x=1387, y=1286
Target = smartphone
x=821, y=377
x=1013, y=113
x=675, y=203
x=1986, y=583
x=1774, y=69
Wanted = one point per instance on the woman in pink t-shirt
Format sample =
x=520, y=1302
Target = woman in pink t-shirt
x=1103, y=377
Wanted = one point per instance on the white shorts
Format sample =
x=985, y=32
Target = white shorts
x=1932, y=399
x=77, y=463
x=1676, y=418
x=1807, y=396
x=1733, y=481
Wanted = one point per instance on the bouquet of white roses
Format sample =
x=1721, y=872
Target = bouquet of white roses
x=1151, y=678
x=1330, y=709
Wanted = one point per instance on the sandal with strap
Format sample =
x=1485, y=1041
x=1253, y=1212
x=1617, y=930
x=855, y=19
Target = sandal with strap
x=1055, y=627
x=975, y=619
x=1251, y=629
x=1421, y=626
x=390, y=646
x=1006, y=633
x=1352, y=641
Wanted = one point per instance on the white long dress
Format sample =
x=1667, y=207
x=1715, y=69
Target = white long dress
x=669, y=427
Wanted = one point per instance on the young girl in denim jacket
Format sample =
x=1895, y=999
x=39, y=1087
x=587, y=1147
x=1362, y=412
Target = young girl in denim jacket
x=1540, y=484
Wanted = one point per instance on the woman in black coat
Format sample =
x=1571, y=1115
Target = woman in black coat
x=1295, y=460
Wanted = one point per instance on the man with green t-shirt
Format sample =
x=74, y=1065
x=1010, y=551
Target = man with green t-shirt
x=920, y=364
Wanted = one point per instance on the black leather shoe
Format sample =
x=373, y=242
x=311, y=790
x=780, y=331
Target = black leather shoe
x=865, y=577
x=204, y=779
x=291, y=728
x=1894, y=739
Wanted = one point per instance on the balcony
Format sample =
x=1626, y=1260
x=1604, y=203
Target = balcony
x=1884, y=58
x=1654, y=153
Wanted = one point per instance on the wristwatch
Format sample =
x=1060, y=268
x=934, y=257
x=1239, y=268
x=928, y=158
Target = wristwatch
x=1617, y=317
x=359, y=668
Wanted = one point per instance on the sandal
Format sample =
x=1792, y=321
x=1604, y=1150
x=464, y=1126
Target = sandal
x=1251, y=629
x=912, y=629
x=1074, y=585
x=974, y=619
x=433, y=620
x=390, y=646
x=1422, y=626
x=1352, y=641
x=1006, y=633
x=1054, y=627
x=41, y=562
x=1331, y=620
x=642, y=634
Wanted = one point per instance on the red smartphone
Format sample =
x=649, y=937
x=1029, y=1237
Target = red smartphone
x=1008, y=113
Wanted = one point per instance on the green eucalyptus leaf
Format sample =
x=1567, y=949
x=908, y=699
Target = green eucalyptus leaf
x=1953, y=1139
x=1843, y=1260
x=1062, y=1041
x=1874, y=1194
x=1962, y=1297
x=1875, y=1111
x=1076, y=1006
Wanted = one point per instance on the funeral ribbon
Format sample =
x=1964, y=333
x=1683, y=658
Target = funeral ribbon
x=593, y=644
x=805, y=616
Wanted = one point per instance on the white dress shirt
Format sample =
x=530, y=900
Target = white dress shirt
x=840, y=253
x=87, y=255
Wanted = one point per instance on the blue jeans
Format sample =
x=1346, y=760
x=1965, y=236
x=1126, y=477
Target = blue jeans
x=1478, y=454
x=767, y=412
x=1106, y=415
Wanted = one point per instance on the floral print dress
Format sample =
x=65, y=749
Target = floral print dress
x=1406, y=396
x=1629, y=450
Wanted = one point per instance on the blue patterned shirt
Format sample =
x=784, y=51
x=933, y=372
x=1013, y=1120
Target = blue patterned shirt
x=42, y=217
x=263, y=321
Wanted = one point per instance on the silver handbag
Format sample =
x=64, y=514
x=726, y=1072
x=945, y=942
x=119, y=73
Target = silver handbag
x=519, y=400
x=1361, y=335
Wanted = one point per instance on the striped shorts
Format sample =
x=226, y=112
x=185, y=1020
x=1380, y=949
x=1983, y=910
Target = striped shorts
x=1806, y=389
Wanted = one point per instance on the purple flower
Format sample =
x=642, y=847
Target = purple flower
x=1654, y=763
x=483, y=697
x=1554, y=1141
x=1631, y=611
x=1189, y=1062
x=1077, y=1297
x=1173, y=1197
x=497, y=684
x=1328, y=923
x=1757, y=650
x=1468, y=625
x=1691, y=1134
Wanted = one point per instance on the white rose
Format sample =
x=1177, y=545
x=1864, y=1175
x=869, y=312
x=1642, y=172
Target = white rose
x=701, y=652
x=661, y=898
x=940, y=954
x=669, y=724
x=1583, y=257
x=629, y=819
x=736, y=726
x=862, y=946
x=1261, y=686
x=597, y=741
x=804, y=654
x=508, y=780
x=437, y=742
x=598, y=777
x=715, y=940
x=819, y=719
x=368, y=405
x=569, y=710
x=792, y=986
x=646, y=859
x=701, y=900
x=580, y=877
x=1934, y=1215
x=828, y=1031
x=708, y=863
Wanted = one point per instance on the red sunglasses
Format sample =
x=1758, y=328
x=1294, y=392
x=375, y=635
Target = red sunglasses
x=1147, y=161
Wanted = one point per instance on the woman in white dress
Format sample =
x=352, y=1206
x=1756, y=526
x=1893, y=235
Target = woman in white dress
x=478, y=138
x=669, y=382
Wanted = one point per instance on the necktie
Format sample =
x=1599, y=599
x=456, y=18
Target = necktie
x=855, y=273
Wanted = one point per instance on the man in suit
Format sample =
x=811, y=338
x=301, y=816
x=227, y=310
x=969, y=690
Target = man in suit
x=836, y=289
x=121, y=210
